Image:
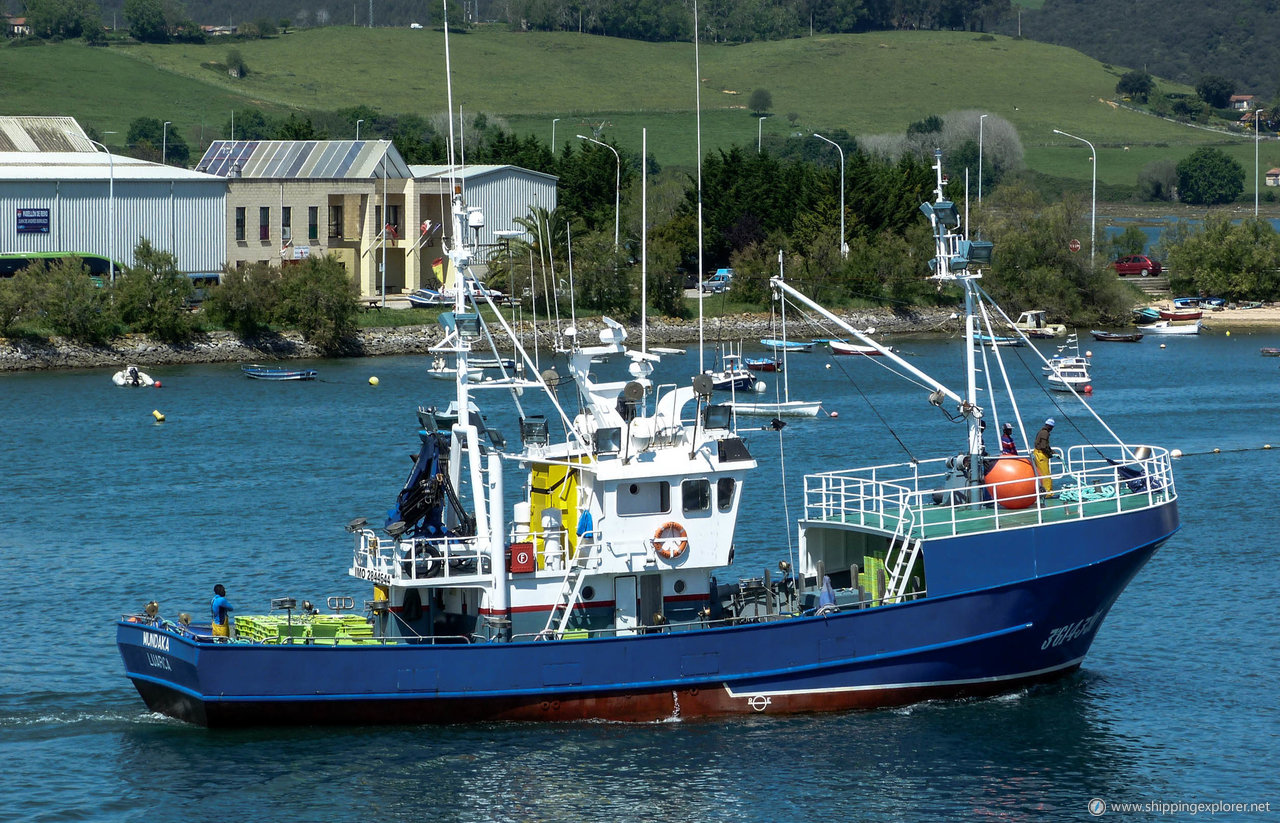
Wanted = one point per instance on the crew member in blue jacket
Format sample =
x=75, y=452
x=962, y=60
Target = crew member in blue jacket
x=221, y=608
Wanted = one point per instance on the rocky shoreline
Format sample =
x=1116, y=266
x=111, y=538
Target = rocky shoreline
x=225, y=347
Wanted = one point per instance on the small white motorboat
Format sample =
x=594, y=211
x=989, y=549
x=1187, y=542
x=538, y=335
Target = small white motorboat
x=1170, y=327
x=132, y=376
x=841, y=347
x=1067, y=378
x=786, y=408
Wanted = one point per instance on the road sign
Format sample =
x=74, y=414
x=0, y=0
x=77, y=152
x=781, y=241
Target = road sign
x=1074, y=245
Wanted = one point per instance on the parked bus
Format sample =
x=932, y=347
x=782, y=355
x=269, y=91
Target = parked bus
x=98, y=266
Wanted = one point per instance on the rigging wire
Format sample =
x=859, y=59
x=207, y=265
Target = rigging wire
x=1116, y=438
x=858, y=388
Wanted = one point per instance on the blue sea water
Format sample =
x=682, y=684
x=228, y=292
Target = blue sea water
x=250, y=484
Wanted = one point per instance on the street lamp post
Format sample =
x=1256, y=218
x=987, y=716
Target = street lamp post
x=617, y=185
x=111, y=208
x=980, y=119
x=844, y=247
x=759, y=133
x=1093, y=211
x=358, y=122
x=164, y=141
x=1256, y=112
x=554, y=120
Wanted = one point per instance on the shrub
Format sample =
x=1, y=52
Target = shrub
x=153, y=295
x=71, y=303
x=246, y=300
x=319, y=299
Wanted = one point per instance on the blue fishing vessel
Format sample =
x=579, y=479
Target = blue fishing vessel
x=597, y=590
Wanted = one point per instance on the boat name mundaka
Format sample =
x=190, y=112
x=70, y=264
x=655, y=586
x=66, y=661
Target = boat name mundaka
x=159, y=642
x=1071, y=631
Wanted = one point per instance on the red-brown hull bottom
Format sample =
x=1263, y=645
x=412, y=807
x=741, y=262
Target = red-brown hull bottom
x=691, y=703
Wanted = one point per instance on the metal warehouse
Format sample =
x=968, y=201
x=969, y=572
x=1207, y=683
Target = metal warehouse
x=59, y=193
x=502, y=193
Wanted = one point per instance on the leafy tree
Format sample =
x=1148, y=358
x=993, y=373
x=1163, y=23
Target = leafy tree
x=1137, y=85
x=1208, y=176
x=664, y=283
x=62, y=18
x=147, y=20
x=245, y=300
x=71, y=303
x=1215, y=90
x=153, y=295
x=1158, y=180
x=297, y=128
x=1132, y=240
x=20, y=297
x=929, y=125
x=249, y=124
x=235, y=64
x=761, y=102
x=1238, y=261
x=1033, y=266
x=319, y=299
x=601, y=277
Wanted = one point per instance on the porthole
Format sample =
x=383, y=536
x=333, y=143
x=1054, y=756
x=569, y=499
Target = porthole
x=588, y=593
x=679, y=586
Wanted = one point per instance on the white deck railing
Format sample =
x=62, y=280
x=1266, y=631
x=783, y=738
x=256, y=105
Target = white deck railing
x=891, y=497
x=433, y=562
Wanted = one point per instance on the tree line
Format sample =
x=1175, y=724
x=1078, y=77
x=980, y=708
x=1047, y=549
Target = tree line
x=719, y=21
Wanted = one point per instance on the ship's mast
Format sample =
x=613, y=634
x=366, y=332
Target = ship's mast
x=952, y=259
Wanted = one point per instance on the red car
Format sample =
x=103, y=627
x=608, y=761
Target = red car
x=1137, y=264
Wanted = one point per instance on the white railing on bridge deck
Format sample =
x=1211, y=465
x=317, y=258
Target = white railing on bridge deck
x=892, y=497
x=407, y=560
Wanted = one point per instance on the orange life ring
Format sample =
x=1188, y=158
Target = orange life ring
x=670, y=540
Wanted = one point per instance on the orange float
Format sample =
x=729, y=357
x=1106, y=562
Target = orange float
x=1011, y=482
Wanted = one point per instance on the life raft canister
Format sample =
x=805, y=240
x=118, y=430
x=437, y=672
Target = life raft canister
x=670, y=540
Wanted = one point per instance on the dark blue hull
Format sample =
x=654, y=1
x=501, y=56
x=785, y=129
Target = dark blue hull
x=978, y=642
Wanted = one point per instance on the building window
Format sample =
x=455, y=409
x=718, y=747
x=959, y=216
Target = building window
x=393, y=217
x=264, y=223
x=286, y=223
x=313, y=223
x=335, y=222
x=240, y=223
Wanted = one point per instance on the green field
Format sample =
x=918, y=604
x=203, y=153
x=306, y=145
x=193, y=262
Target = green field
x=868, y=84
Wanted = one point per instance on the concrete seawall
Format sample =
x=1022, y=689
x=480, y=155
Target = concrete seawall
x=224, y=347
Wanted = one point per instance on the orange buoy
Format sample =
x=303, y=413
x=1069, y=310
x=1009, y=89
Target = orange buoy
x=1088, y=389
x=1012, y=482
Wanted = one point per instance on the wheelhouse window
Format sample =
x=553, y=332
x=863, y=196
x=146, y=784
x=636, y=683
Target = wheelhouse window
x=240, y=223
x=725, y=487
x=652, y=497
x=696, y=496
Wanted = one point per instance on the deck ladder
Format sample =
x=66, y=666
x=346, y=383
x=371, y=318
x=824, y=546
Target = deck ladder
x=569, y=592
x=908, y=551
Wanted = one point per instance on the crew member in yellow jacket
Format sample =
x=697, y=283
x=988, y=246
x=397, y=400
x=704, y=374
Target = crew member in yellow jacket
x=1042, y=452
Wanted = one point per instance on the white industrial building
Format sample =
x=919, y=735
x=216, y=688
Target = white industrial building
x=59, y=193
x=502, y=193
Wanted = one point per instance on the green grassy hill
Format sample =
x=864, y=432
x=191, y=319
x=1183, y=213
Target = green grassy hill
x=867, y=84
